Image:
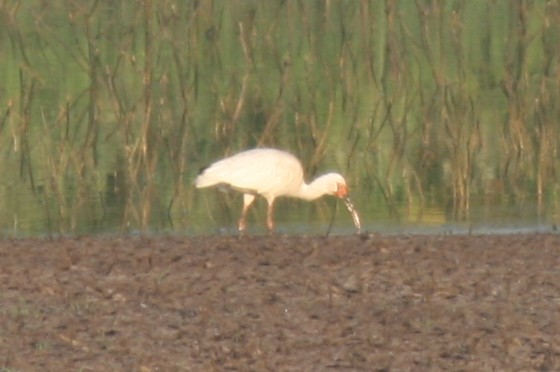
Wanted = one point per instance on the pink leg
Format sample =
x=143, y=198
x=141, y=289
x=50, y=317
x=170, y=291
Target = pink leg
x=269, y=217
x=247, y=201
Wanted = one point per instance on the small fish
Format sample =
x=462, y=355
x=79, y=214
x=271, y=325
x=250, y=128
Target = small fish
x=354, y=213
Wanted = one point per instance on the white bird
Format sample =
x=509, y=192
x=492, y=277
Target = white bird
x=270, y=173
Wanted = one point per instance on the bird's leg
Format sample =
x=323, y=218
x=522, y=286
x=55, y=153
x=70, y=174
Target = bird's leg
x=247, y=201
x=269, y=217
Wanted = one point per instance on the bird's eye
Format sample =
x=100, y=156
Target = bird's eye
x=342, y=190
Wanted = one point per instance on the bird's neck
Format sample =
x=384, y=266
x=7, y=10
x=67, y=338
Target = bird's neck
x=313, y=190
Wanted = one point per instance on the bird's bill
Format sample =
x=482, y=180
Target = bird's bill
x=341, y=191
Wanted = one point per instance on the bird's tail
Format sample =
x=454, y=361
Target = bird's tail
x=203, y=181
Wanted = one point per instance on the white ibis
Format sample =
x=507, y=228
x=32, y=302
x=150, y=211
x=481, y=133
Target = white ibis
x=271, y=173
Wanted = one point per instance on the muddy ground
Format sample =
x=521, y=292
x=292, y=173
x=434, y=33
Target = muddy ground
x=384, y=303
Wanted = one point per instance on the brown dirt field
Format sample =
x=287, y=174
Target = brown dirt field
x=475, y=303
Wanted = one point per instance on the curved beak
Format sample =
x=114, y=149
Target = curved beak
x=341, y=191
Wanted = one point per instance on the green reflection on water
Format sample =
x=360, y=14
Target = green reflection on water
x=438, y=113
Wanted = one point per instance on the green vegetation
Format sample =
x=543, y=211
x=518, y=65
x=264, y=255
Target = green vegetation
x=108, y=110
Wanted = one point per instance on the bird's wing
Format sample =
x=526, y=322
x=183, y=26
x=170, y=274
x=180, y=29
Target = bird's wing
x=257, y=172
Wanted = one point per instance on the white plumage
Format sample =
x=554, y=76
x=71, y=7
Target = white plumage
x=270, y=173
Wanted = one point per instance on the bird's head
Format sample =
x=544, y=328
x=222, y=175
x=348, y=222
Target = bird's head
x=336, y=185
x=342, y=190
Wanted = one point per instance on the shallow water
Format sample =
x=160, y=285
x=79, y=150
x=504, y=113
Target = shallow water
x=328, y=218
x=205, y=212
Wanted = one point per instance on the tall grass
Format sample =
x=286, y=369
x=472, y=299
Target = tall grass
x=107, y=110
